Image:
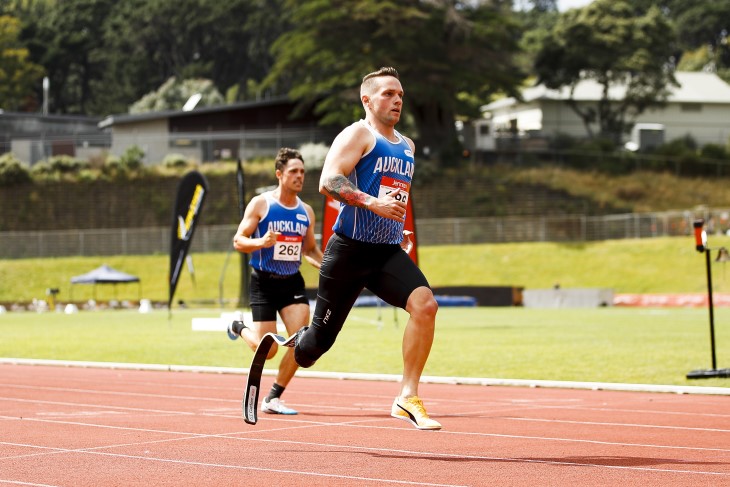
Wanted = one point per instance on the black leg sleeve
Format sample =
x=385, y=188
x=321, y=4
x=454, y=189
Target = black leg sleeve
x=334, y=302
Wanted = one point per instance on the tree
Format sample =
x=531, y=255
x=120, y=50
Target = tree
x=707, y=24
x=173, y=94
x=18, y=75
x=102, y=55
x=537, y=23
x=65, y=37
x=148, y=41
x=608, y=43
x=262, y=27
x=443, y=49
x=542, y=6
x=703, y=27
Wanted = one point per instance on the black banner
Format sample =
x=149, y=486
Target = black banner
x=191, y=193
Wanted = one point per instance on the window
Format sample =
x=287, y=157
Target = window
x=691, y=107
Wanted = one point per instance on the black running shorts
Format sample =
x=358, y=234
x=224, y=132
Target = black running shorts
x=350, y=265
x=272, y=292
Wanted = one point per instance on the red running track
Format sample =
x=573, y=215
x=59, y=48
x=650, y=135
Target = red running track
x=67, y=426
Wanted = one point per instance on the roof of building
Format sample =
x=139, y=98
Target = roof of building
x=33, y=124
x=125, y=118
x=695, y=87
x=51, y=116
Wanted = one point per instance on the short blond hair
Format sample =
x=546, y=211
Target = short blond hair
x=368, y=80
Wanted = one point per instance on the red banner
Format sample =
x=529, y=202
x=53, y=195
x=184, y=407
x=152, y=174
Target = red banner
x=332, y=208
x=671, y=300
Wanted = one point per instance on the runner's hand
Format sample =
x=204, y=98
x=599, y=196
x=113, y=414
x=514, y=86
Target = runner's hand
x=269, y=239
x=389, y=206
x=407, y=244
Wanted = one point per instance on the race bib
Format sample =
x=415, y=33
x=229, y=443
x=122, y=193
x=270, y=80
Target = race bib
x=388, y=185
x=288, y=248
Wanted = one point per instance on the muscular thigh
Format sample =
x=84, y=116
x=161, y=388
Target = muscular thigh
x=397, y=279
x=350, y=266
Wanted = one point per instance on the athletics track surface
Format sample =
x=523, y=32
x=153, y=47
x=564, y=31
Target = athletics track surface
x=73, y=426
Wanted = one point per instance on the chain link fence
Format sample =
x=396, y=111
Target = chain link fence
x=578, y=228
x=435, y=231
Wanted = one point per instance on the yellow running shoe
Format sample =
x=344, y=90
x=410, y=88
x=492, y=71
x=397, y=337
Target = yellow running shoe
x=411, y=409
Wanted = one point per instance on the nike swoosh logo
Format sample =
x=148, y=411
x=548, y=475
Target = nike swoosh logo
x=299, y=296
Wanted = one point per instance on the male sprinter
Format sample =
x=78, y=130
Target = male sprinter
x=277, y=229
x=368, y=170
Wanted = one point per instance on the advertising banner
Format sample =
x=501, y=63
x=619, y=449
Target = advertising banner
x=191, y=193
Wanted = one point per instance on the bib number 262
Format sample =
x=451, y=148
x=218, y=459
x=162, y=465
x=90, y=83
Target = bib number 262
x=288, y=248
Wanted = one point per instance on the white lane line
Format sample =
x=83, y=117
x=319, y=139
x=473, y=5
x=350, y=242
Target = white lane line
x=620, y=425
x=517, y=405
x=110, y=393
x=94, y=451
x=354, y=424
x=18, y=482
x=359, y=424
x=483, y=381
x=388, y=451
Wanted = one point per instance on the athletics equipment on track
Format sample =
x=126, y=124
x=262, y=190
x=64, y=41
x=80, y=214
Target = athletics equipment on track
x=253, y=383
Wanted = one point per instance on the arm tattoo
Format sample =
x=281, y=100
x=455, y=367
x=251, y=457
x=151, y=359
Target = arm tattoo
x=342, y=189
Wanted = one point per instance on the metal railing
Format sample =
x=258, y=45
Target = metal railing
x=572, y=228
x=199, y=146
x=435, y=231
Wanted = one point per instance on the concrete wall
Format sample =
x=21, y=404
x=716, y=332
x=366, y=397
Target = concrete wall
x=567, y=298
x=707, y=123
x=150, y=136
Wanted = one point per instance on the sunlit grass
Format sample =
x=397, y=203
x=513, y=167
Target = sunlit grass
x=640, y=191
x=623, y=345
x=658, y=265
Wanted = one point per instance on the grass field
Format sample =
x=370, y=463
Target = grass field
x=625, y=345
x=652, y=346
x=627, y=266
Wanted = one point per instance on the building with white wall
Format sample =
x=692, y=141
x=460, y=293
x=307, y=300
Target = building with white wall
x=699, y=107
